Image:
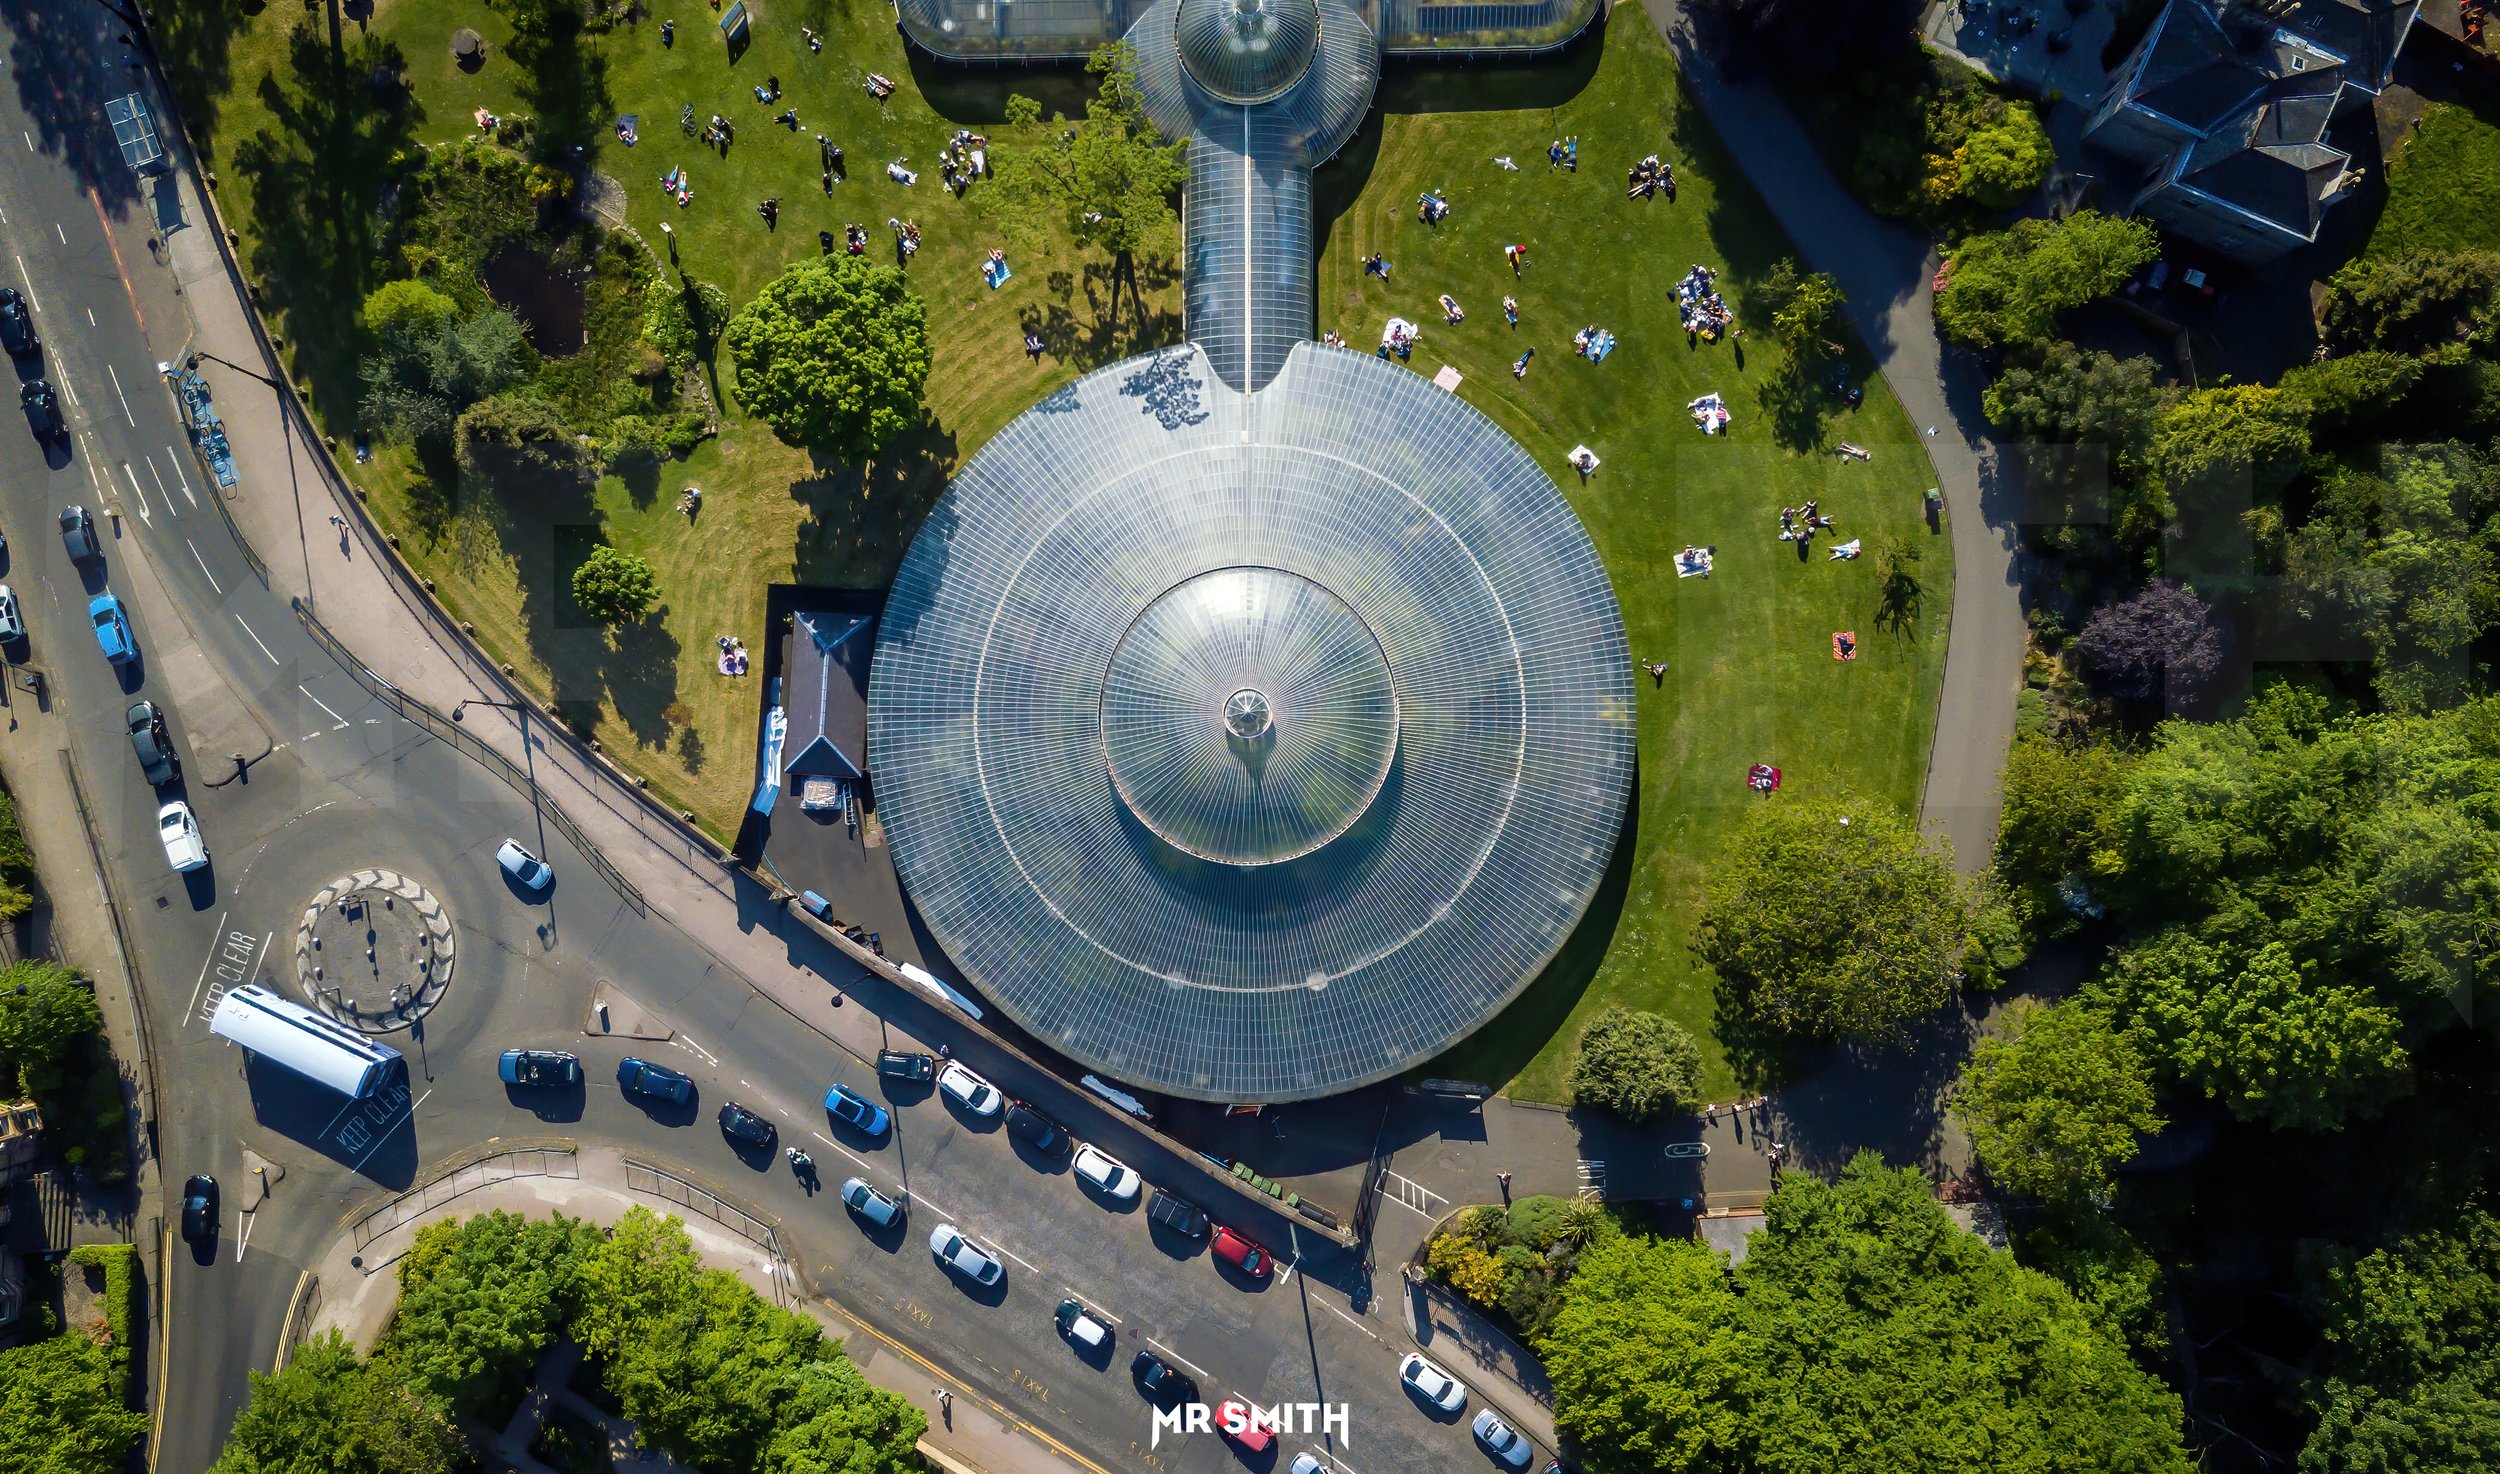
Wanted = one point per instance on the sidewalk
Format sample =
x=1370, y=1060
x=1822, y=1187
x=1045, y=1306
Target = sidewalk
x=357, y=1299
x=1497, y=1369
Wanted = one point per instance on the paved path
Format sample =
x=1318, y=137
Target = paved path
x=1886, y=272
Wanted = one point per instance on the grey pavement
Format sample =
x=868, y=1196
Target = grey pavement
x=1887, y=274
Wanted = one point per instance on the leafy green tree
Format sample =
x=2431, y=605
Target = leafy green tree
x=17, y=862
x=408, y=313
x=1663, y=1357
x=835, y=1423
x=1109, y=181
x=1997, y=165
x=2415, y=303
x=2062, y=395
x=418, y=383
x=2404, y=554
x=833, y=354
x=48, y=1015
x=2056, y=1101
x=1804, y=307
x=1830, y=918
x=613, y=586
x=2352, y=391
x=519, y=443
x=61, y=1409
x=327, y=1413
x=2059, y=824
x=2414, y=1329
x=2009, y=286
x=1638, y=1065
x=480, y=1298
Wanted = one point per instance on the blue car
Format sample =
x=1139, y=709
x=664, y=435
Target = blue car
x=641, y=1077
x=855, y=1110
x=112, y=628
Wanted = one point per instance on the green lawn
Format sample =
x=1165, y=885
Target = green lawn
x=1750, y=677
x=2443, y=190
x=305, y=202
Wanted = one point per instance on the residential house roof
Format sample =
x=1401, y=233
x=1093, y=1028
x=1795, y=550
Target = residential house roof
x=826, y=696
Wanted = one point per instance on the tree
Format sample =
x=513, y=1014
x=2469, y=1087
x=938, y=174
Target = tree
x=2056, y=1101
x=518, y=442
x=833, y=354
x=835, y=1423
x=61, y=1409
x=2415, y=1328
x=2220, y=451
x=1829, y=918
x=418, y=380
x=1109, y=181
x=1804, y=307
x=406, y=314
x=48, y=1014
x=2163, y=640
x=1997, y=165
x=1899, y=595
x=2058, y=824
x=2404, y=556
x=2009, y=286
x=1956, y=1358
x=2065, y=395
x=2414, y=303
x=17, y=862
x=329, y=1414
x=1637, y=1065
x=479, y=1299
x=613, y=586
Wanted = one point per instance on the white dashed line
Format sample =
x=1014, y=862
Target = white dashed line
x=837, y=1146
x=1349, y=1320
x=1176, y=1356
x=325, y=706
x=63, y=234
x=30, y=283
x=91, y=322
x=203, y=562
x=124, y=398
x=264, y=648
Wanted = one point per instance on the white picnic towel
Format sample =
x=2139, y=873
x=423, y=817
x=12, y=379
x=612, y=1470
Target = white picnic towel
x=1692, y=565
x=1584, y=460
x=1448, y=379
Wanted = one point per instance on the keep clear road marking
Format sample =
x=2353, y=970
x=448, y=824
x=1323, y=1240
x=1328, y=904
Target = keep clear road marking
x=384, y=1134
x=203, y=977
x=256, y=639
x=325, y=706
x=203, y=562
x=117, y=392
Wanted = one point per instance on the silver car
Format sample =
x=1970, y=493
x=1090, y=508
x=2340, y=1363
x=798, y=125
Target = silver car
x=1506, y=1444
x=965, y=1257
x=12, y=624
x=970, y=1091
x=1432, y=1384
x=873, y=1207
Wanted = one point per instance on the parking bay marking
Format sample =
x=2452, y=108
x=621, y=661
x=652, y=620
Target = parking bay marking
x=1176, y=1356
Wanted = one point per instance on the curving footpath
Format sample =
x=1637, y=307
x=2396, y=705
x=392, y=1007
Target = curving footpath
x=1887, y=273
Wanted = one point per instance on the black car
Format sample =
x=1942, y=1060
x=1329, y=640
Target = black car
x=1038, y=1131
x=903, y=1064
x=78, y=533
x=199, y=1209
x=1178, y=1214
x=17, y=324
x=154, y=745
x=42, y=406
x=641, y=1077
x=1160, y=1380
x=745, y=1127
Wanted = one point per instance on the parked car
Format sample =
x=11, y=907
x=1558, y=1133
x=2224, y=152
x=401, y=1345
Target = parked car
x=969, y=1090
x=185, y=850
x=12, y=623
x=1236, y=1249
x=78, y=533
x=1106, y=1174
x=965, y=1257
x=43, y=409
x=1160, y=1380
x=524, y=867
x=855, y=1110
x=1178, y=1214
x=1081, y=1327
x=112, y=628
x=1036, y=1130
x=1432, y=1384
x=1506, y=1444
x=148, y=737
x=874, y=1208
x=641, y=1077
x=538, y=1067
x=906, y=1065
x=745, y=1127
x=199, y=1208
x=1307, y=1462
x=17, y=324
x=1234, y=1422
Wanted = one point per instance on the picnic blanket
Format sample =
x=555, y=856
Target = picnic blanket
x=1584, y=460
x=1762, y=778
x=1848, y=549
x=629, y=129
x=1693, y=563
x=1597, y=345
x=995, y=273
x=1448, y=379
x=900, y=175
x=1845, y=645
x=1710, y=413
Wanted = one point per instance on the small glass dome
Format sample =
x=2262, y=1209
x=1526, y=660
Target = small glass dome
x=1246, y=51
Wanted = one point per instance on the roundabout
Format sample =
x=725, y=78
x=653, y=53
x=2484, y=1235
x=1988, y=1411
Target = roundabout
x=374, y=950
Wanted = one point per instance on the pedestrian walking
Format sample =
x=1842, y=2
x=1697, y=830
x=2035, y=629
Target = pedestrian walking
x=1658, y=677
x=668, y=35
x=1504, y=1179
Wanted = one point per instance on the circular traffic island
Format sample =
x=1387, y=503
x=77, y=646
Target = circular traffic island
x=374, y=950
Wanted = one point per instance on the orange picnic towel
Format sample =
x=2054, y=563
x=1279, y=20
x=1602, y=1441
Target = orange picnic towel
x=1845, y=645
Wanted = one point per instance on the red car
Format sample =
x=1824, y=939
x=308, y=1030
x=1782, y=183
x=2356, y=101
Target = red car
x=1243, y=1255
x=1234, y=1421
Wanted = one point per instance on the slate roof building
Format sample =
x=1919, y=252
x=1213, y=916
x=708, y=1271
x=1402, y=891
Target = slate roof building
x=2224, y=110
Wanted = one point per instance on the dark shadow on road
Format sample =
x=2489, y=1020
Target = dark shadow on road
x=375, y=1137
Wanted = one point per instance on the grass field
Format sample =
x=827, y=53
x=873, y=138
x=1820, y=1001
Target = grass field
x=2443, y=191
x=1750, y=675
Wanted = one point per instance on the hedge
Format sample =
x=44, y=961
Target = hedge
x=120, y=1263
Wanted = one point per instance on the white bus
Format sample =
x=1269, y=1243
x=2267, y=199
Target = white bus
x=313, y=1045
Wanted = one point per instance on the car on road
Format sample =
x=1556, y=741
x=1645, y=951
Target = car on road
x=522, y=866
x=12, y=623
x=1307, y=1462
x=1160, y=1380
x=538, y=1067
x=969, y=1090
x=1432, y=1384
x=148, y=736
x=1236, y=1249
x=906, y=1065
x=745, y=1127
x=641, y=1077
x=1106, y=1174
x=855, y=1110
x=17, y=324
x=112, y=628
x=199, y=1208
x=43, y=408
x=965, y=1257
x=78, y=533
x=1081, y=1326
x=185, y=850
x=1506, y=1444
x=1233, y=1420
x=874, y=1208
x=1036, y=1130
x=1178, y=1214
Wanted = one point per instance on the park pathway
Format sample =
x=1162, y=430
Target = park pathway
x=1887, y=272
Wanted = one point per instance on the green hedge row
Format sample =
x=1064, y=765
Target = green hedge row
x=120, y=1263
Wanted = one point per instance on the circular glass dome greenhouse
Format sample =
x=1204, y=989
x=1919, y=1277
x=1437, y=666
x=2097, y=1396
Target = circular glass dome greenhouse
x=1246, y=51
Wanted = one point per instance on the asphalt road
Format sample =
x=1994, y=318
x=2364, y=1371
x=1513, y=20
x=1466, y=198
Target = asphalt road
x=344, y=786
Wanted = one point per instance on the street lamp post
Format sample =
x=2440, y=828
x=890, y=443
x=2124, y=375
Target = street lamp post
x=529, y=755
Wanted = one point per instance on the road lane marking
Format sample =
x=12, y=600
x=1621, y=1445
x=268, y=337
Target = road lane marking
x=72, y=390
x=203, y=562
x=325, y=706
x=1093, y=1307
x=170, y=509
x=117, y=387
x=264, y=648
x=63, y=234
x=1176, y=1356
x=683, y=1042
x=1012, y=1254
x=203, y=977
x=934, y=1206
x=179, y=476
x=244, y=1239
x=837, y=1146
x=141, y=495
x=30, y=282
x=91, y=322
x=385, y=1133
x=1349, y=1320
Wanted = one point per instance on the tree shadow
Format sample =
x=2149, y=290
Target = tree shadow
x=66, y=70
x=641, y=677
x=192, y=43
x=861, y=518
x=1089, y=334
x=564, y=78
x=1795, y=407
